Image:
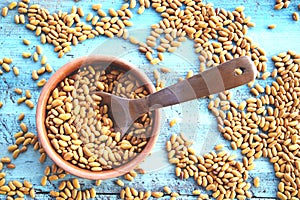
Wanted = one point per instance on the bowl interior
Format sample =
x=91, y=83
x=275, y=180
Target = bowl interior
x=67, y=70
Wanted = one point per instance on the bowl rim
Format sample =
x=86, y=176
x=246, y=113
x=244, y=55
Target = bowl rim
x=56, y=78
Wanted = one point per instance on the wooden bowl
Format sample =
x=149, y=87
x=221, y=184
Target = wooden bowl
x=67, y=70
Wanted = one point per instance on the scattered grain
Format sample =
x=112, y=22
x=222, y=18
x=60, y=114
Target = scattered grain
x=41, y=83
x=173, y=122
x=21, y=116
x=295, y=16
x=29, y=103
x=256, y=182
x=16, y=71
x=4, y=11
x=26, y=55
x=26, y=42
x=272, y=26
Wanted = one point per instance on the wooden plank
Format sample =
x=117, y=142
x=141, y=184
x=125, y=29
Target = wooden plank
x=194, y=119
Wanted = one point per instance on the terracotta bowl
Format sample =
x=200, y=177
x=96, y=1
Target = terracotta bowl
x=67, y=70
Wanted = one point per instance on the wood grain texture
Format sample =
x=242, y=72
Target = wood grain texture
x=194, y=118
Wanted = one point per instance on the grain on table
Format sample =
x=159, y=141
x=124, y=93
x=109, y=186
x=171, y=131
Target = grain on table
x=173, y=122
x=256, y=182
x=4, y=11
x=188, y=163
x=16, y=71
x=133, y=193
x=296, y=16
x=26, y=42
x=275, y=100
x=77, y=30
x=272, y=26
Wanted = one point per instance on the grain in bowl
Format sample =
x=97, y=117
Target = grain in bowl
x=79, y=127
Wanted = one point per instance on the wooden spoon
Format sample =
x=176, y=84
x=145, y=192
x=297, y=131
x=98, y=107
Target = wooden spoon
x=217, y=79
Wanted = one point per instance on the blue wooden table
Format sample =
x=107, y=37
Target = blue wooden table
x=193, y=117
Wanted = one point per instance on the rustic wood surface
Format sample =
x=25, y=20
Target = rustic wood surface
x=194, y=118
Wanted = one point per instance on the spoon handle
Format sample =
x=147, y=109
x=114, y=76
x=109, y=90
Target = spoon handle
x=214, y=80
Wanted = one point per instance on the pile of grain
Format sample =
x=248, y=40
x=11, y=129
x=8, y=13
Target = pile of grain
x=64, y=29
x=216, y=171
x=268, y=125
x=202, y=23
